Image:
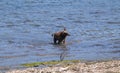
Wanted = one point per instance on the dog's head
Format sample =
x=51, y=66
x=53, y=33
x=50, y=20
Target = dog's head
x=64, y=33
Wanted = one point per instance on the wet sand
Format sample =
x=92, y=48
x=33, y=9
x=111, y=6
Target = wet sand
x=112, y=66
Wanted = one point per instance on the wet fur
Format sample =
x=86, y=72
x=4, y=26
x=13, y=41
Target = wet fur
x=59, y=37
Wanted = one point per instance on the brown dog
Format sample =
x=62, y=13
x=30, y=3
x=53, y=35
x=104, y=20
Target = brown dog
x=59, y=37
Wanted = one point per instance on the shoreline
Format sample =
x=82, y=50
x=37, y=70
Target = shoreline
x=108, y=66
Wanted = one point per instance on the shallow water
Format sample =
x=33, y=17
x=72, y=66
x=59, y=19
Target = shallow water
x=26, y=27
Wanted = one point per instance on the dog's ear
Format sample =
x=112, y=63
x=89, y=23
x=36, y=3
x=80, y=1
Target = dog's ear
x=64, y=29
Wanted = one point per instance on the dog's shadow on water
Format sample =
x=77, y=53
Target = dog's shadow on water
x=63, y=50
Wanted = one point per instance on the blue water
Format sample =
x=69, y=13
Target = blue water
x=26, y=27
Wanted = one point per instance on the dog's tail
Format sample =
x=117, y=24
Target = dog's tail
x=52, y=34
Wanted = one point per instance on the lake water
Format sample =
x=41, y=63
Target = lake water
x=26, y=27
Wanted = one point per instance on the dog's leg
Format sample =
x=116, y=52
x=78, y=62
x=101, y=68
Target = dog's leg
x=59, y=41
x=55, y=41
x=64, y=41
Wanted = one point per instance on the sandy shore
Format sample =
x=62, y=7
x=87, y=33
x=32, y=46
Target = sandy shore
x=82, y=67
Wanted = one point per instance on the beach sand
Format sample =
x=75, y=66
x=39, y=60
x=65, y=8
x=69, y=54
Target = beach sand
x=112, y=66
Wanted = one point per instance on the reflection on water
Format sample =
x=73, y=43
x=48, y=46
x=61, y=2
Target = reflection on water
x=26, y=27
x=63, y=53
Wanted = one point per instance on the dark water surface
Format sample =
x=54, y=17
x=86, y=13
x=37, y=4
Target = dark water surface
x=26, y=27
